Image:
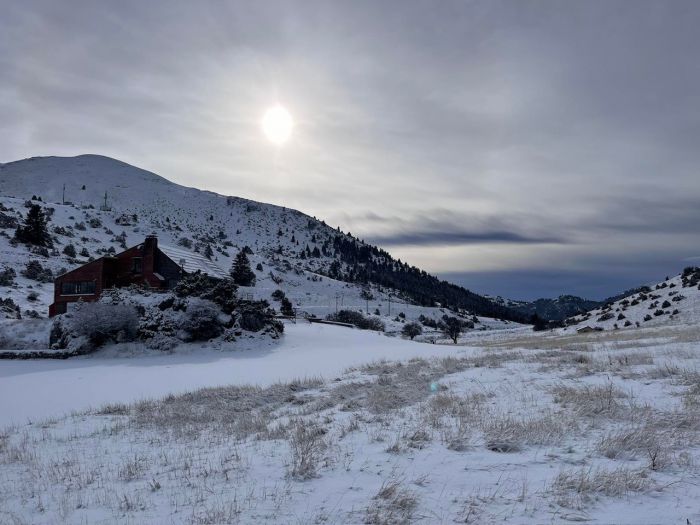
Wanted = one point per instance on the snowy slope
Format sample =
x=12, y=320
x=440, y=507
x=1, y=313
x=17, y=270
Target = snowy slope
x=673, y=301
x=186, y=220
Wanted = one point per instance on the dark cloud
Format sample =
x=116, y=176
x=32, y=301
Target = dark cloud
x=446, y=237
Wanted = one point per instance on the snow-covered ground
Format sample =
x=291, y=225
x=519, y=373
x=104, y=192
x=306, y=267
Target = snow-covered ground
x=35, y=389
x=529, y=428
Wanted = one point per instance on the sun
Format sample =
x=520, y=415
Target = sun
x=277, y=125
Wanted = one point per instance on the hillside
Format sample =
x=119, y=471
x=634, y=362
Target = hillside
x=557, y=309
x=100, y=205
x=673, y=301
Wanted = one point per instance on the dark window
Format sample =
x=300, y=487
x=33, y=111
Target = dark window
x=136, y=266
x=78, y=288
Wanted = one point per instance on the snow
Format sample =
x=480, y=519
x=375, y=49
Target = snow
x=192, y=262
x=31, y=390
x=378, y=457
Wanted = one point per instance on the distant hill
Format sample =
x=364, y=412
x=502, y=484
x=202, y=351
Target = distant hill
x=556, y=309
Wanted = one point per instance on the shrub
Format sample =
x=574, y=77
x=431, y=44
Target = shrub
x=9, y=310
x=223, y=292
x=33, y=270
x=7, y=277
x=253, y=316
x=201, y=322
x=278, y=295
x=94, y=324
x=69, y=250
x=184, y=242
x=357, y=319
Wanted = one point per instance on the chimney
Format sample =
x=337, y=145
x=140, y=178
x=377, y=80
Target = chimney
x=150, y=246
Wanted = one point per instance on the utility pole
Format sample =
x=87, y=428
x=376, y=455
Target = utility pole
x=63, y=199
x=389, y=305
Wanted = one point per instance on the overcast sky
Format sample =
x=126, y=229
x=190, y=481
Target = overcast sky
x=518, y=148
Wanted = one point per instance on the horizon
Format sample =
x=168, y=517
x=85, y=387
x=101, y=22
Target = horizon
x=516, y=149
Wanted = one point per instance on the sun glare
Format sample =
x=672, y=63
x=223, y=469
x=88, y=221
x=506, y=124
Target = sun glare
x=277, y=125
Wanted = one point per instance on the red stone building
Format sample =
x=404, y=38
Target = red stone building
x=147, y=264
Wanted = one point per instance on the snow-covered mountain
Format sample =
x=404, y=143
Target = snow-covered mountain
x=99, y=205
x=673, y=301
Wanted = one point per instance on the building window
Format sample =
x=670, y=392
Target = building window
x=78, y=288
x=136, y=265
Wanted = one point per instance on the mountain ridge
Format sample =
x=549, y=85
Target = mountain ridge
x=221, y=222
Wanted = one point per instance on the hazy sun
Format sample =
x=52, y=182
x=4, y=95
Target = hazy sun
x=277, y=125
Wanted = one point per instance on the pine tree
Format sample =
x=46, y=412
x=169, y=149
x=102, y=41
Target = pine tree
x=286, y=307
x=34, y=231
x=240, y=271
x=208, y=252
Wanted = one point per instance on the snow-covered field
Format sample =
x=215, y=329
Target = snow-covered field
x=35, y=389
x=526, y=428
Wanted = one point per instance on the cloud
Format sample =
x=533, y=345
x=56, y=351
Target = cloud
x=531, y=133
x=456, y=236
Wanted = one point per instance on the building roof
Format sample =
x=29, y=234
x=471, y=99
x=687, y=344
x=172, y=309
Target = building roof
x=192, y=262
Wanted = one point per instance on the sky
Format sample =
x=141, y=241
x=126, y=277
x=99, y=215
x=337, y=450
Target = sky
x=519, y=148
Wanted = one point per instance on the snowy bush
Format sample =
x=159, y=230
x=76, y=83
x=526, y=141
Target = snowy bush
x=91, y=325
x=9, y=310
x=33, y=270
x=253, y=316
x=7, y=277
x=201, y=322
x=357, y=319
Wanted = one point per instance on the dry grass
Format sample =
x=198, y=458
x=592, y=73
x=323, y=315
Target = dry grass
x=509, y=434
x=587, y=483
x=393, y=504
x=590, y=400
x=235, y=410
x=306, y=445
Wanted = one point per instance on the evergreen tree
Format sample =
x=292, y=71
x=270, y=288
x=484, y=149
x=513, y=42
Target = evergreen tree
x=34, y=230
x=69, y=250
x=240, y=271
x=286, y=307
x=208, y=252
